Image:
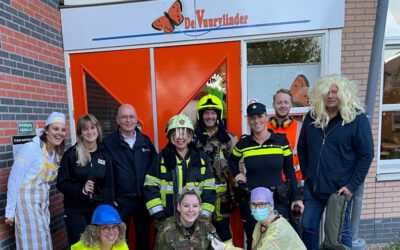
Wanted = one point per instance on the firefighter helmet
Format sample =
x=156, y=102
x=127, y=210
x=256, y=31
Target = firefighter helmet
x=210, y=102
x=179, y=121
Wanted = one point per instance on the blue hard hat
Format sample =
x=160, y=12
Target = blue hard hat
x=105, y=214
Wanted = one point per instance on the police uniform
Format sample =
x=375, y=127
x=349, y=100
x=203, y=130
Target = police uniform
x=264, y=164
x=173, y=235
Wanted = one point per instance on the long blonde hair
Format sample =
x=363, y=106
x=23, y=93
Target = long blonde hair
x=349, y=106
x=82, y=153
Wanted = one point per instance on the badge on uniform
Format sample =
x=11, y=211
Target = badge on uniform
x=100, y=161
x=145, y=150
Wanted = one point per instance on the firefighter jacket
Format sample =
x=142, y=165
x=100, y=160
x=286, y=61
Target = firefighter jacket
x=167, y=176
x=218, y=147
x=173, y=235
x=292, y=132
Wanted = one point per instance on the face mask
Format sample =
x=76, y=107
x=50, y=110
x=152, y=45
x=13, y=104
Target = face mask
x=260, y=214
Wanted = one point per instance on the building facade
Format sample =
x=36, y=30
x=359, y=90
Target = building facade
x=35, y=80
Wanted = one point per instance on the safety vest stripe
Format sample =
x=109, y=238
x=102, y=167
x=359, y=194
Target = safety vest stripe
x=154, y=202
x=207, y=207
x=287, y=152
x=155, y=209
x=163, y=169
x=203, y=170
x=153, y=179
x=209, y=182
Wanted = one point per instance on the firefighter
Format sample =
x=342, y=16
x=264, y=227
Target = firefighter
x=284, y=124
x=178, y=165
x=217, y=142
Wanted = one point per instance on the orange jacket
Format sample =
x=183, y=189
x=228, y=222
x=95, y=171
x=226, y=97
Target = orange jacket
x=292, y=133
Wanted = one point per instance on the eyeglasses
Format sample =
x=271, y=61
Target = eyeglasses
x=107, y=229
x=254, y=205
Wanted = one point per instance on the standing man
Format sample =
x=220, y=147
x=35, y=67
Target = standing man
x=217, y=142
x=132, y=153
x=284, y=124
x=335, y=151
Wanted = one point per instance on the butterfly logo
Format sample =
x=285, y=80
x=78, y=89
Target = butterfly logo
x=299, y=90
x=170, y=19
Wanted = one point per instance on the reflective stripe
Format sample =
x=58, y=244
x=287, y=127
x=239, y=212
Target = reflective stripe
x=163, y=169
x=297, y=168
x=209, y=182
x=221, y=189
x=152, y=179
x=153, y=203
x=287, y=152
x=207, y=207
x=155, y=209
x=263, y=151
x=203, y=170
x=236, y=152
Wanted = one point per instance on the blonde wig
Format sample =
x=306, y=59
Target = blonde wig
x=82, y=153
x=349, y=103
x=91, y=236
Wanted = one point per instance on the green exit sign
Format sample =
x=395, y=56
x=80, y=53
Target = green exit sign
x=25, y=128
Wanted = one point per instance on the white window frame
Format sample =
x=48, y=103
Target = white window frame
x=331, y=56
x=387, y=170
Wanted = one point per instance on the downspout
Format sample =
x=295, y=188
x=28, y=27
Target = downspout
x=373, y=77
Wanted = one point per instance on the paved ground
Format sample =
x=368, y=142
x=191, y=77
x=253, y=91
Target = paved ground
x=375, y=246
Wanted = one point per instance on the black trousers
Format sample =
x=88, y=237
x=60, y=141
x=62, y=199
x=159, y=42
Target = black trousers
x=136, y=208
x=76, y=219
x=249, y=222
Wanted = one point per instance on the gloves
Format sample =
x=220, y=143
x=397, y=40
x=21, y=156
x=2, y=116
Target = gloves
x=217, y=245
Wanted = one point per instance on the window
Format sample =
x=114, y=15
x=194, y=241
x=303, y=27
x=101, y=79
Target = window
x=294, y=64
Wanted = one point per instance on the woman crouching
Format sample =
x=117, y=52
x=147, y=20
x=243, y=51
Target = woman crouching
x=106, y=231
x=185, y=230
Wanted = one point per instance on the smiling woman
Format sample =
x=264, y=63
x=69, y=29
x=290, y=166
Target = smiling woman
x=85, y=177
x=35, y=167
x=185, y=230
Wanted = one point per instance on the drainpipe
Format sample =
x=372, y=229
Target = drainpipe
x=373, y=77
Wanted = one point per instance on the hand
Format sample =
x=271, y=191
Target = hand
x=217, y=245
x=9, y=221
x=299, y=203
x=240, y=177
x=89, y=186
x=345, y=191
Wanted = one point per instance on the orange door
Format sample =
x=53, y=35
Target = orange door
x=180, y=72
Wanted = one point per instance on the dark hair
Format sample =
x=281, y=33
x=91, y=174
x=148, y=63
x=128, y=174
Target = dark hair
x=284, y=91
x=188, y=191
x=59, y=149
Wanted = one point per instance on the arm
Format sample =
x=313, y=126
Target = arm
x=208, y=195
x=302, y=148
x=234, y=159
x=161, y=241
x=289, y=170
x=364, y=149
x=21, y=165
x=64, y=183
x=151, y=190
x=109, y=182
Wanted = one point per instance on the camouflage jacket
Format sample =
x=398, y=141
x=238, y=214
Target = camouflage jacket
x=173, y=235
x=218, y=148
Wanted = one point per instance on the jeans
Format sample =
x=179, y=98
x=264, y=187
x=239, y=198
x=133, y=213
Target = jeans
x=310, y=221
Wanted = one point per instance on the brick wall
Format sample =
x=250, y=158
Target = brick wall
x=380, y=211
x=32, y=85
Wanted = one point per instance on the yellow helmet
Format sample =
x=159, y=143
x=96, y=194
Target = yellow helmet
x=210, y=102
x=179, y=121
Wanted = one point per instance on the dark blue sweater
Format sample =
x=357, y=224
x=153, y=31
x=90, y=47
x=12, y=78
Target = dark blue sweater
x=336, y=156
